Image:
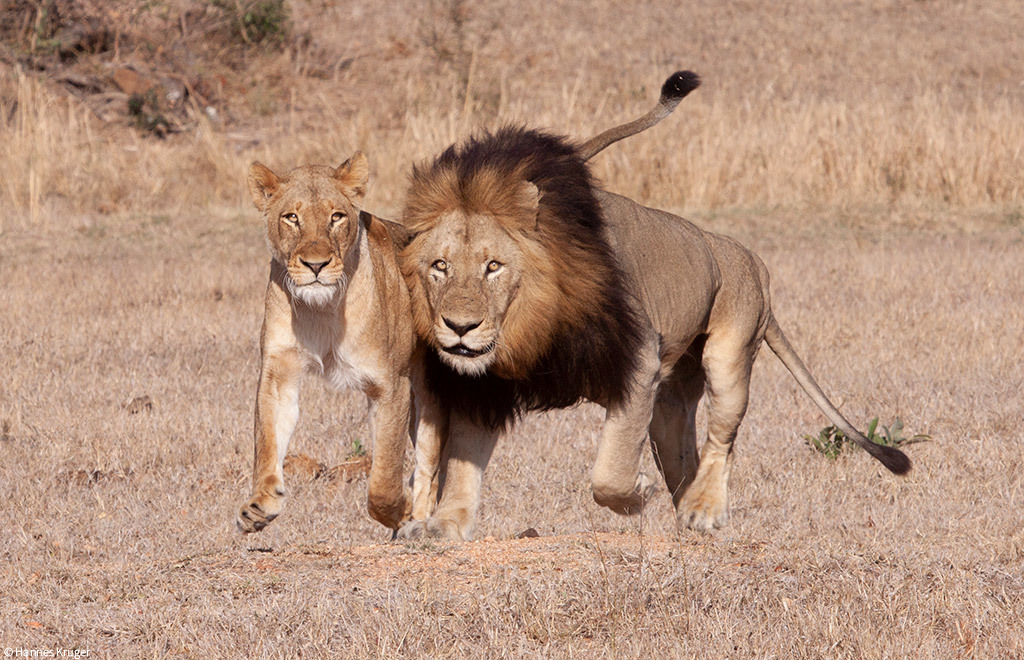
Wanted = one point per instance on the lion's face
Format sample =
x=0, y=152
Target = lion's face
x=483, y=289
x=470, y=270
x=312, y=224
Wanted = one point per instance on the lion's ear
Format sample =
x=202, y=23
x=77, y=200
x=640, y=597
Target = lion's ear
x=263, y=184
x=354, y=174
x=528, y=201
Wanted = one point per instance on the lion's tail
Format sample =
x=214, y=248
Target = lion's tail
x=678, y=85
x=893, y=459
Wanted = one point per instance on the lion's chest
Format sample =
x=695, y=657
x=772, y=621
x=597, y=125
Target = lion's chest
x=345, y=370
x=334, y=350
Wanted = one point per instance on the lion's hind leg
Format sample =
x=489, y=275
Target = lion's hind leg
x=674, y=429
x=727, y=362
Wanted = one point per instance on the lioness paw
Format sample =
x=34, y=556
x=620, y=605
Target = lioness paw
x=258, y=513
x=431, y=528
x=390, y=511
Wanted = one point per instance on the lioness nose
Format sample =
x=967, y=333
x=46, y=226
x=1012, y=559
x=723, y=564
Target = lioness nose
x=315, y=266
x=460, y=328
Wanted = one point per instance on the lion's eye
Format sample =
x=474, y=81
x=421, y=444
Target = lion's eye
x=494, y=266
x=290, y=218
x=337, y=217
x=440, y=265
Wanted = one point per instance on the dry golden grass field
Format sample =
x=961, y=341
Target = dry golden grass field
x=871, y=151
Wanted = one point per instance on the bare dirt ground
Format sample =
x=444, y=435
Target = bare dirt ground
x=869, y=152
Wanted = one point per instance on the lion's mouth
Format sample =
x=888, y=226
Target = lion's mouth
x=465, y=351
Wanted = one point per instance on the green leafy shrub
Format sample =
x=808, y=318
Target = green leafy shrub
x=831, y=441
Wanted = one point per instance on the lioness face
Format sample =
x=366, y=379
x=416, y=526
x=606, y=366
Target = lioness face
x=470, y=268
x=312, y=224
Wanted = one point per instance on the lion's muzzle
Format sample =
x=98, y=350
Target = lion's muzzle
x=465, y=351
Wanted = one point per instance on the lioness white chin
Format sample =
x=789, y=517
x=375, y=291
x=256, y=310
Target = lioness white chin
x=537, y=290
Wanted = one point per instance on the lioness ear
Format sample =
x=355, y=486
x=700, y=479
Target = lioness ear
x=354, y=174
x=528, y=200
x=262, y=184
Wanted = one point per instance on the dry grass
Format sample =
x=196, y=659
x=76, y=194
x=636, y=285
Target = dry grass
x=884, y=105
x=117, y=528
x=871, y=156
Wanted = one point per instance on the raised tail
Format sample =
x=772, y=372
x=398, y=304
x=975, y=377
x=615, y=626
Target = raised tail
x=893, y=459
x=678, y=85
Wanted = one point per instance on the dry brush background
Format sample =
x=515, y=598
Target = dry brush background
x=870, y=152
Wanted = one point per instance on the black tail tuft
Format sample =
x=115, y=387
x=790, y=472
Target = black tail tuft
x=679, y=84
x=893, y=459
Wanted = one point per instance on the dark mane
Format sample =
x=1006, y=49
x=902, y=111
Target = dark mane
x=593, y=344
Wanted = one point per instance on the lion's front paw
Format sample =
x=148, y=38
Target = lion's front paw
x=625, y=502
x=431, y=528
x=260, y=510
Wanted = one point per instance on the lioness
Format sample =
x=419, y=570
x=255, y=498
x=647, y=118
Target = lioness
x=336, y=304
x=537, y=290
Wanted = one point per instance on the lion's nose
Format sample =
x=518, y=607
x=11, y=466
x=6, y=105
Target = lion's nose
x=460, y=328
x=315, y=266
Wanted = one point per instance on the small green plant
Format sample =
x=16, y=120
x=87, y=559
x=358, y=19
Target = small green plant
x=358, y=449
x=830, y=441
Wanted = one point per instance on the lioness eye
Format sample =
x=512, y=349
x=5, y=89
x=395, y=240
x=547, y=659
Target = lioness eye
x=493, y=266
x=291, y=218
x=440, y=265
x=337, y=216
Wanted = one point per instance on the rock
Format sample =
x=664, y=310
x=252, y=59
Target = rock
x=303, y=467
x=139, y=404
x=132, y=82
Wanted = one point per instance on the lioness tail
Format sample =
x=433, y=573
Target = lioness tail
x=893, y=459
x=678, y=85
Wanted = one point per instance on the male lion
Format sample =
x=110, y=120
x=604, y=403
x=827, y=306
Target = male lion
x=537, y=290
x=336, y=304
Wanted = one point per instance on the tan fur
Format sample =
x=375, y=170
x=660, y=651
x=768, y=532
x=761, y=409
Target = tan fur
x=336, y=304
x=704, y=301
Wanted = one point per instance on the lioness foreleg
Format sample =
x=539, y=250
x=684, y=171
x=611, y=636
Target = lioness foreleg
x=277, y=412
x=386, y=498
